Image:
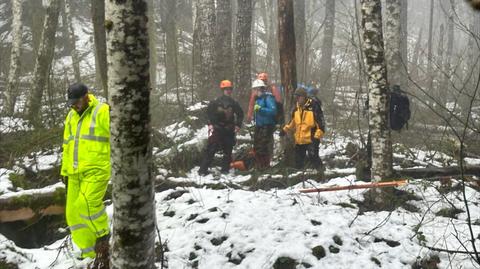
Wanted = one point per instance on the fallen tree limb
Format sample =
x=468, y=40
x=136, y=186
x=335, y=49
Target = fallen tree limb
x=439, y=171
x=450, y=251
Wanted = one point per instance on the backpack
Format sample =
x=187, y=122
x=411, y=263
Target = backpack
x=280, y=115
x=399, y=109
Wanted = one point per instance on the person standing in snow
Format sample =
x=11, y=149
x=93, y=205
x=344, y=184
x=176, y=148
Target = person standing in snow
x=306, y=121
x=265, y=110
x=86, y=172
x=269, y=88
x=312, y=94
x=225, y=118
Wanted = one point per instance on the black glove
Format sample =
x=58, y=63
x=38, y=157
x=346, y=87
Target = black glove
x=282, y=133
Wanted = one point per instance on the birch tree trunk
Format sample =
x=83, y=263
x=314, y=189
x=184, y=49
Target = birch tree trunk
x=299, y=14
x=134, y=221
x=43, y=62
x=243, y=52
x=288, y=72
x=99, y=39
x=327, y=51
x=205, y=38
x=14, y=73
x=392, y=41
x=71, y=40
x=378, y=90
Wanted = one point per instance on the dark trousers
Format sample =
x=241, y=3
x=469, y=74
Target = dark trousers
x=263, y=145
x=218, y=141
x=310, y=151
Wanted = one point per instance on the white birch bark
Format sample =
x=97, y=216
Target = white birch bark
x=134, y=221
x=43, y=62
x=14, y=72
x=378, y=90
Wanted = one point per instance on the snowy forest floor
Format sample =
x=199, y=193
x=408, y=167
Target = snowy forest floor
x=235, y=221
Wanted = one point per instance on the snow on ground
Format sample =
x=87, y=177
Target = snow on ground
x=5, y=183
x=219, y=228
x=10, y=124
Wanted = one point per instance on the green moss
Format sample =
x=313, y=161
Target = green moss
x=449, y=212
x=36, y=202
x=18, y=180
x=6, y=265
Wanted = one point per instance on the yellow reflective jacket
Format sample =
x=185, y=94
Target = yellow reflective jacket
x=86, y=140
x=305, y=122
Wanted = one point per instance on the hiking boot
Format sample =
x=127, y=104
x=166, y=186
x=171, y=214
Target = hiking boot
x=102, y=258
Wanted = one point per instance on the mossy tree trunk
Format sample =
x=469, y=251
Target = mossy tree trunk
x=129, y=89
x=99, y=39
x=223, y=41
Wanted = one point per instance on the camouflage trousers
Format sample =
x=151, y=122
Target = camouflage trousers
x=263, y=145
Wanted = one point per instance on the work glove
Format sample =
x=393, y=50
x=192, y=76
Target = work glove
x=282, y=133
x=257, y=107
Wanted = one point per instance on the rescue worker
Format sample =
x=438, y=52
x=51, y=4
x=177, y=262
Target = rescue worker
x=269, y=88
x=86, y=172
x=265, y=110
x=306, y=123
x=225, y=118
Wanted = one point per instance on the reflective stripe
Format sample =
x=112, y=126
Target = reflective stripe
x=94, y=119
x=77, y=227
x=75, y=147
x=70, y=115
x=95, y=138
x=101, y=232
x=87, y=250
x=94, y=216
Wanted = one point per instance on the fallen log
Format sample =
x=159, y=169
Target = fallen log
x=419, y=173
x=28, y=204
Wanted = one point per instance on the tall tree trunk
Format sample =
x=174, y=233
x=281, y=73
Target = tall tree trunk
x=447, y=73
x=404, y=44
x=243, y=51
x=440, y=49
x=169, y=24
x=129, y=85
x=287, y=50
x=98, y=19
x=378, y=91
x=327, y=51
x=223, y=41
x=71, y=40
x=415, y=58
x=14, y=73
x=299, y=14
x=430, y=48
x=153, y=43
x=43, y=63
x=204, y=49
x=392, y=41
x=37, y=16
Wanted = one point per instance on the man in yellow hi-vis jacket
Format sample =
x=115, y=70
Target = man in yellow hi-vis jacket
x=86, y=170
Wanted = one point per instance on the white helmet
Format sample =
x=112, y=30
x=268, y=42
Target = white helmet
x=258, y=83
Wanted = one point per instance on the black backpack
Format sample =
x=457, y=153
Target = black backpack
x=280, y=116
x=399, y=109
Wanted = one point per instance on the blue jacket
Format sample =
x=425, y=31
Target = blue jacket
x=266, y=115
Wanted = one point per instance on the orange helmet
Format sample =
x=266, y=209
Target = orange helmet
x=263, y=76
x=226, y=84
